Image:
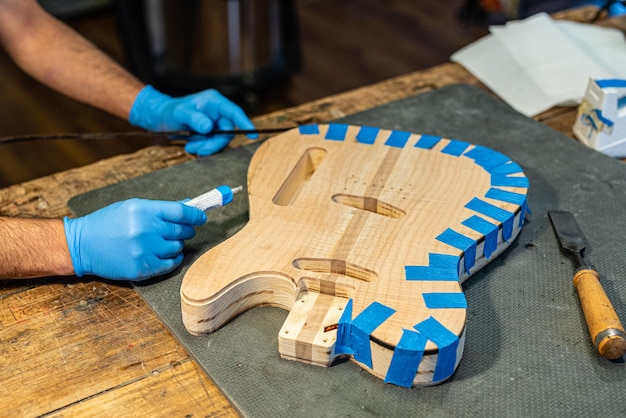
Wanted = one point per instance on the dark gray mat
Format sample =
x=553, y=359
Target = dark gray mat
x=527, y=351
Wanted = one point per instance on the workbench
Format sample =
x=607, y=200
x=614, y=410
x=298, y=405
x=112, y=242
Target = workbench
x=77, y=348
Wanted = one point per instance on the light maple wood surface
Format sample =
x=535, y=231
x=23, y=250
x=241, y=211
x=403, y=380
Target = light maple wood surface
x=74, y=348
x=333, y=220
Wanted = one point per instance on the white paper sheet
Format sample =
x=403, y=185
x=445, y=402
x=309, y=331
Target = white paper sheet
x=539, y=63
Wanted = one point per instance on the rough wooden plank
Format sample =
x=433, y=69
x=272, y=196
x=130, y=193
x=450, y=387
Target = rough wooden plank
x=48, y=196
x=353, y=101
x=66, y=342
x=158, y=394
x=561, y=119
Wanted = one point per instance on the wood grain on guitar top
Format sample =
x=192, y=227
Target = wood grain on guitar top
x=360, y=233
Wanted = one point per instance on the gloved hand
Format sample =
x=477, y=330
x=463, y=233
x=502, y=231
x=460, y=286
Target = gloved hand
x=131, y=240
x=200, y=112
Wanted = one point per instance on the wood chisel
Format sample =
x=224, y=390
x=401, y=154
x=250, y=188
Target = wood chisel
x=607, y=333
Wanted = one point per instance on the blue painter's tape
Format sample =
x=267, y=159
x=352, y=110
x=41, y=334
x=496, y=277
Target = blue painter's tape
x=511, y=197
x=489, y=230
x=309, y=129
x=427, y=273
x=486, y=157
x=343, y=345
x=507, y=168
x=455, y=147
x=506, y=196
x=600, y=116
x=494, y=212
x=444, y=261
x=398, y=139
x=611, y=83
x=367, y=135
x=498, y=180
x=445, y=300
x=441, y=267
x=336, y=132
x=363, y=326
x=427, y=141
x=588, y=120
x=407, y=356
x=523, y=212
x=446, y=341
x=353, y=336
x=463, y=243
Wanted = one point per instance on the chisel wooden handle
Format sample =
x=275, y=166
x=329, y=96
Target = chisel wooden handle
x=607, y=333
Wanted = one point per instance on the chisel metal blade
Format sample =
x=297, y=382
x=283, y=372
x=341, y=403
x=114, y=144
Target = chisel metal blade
x=569, y=235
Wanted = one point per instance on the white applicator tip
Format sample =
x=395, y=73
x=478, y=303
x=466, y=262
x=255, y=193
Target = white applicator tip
x=220, y=196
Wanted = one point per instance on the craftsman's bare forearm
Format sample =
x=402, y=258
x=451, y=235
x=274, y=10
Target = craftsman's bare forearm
x=33, y=248
x=59, y=57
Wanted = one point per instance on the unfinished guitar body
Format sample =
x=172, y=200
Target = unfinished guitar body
x=364, y=235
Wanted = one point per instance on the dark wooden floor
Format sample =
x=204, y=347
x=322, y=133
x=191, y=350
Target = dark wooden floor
x=344, y=43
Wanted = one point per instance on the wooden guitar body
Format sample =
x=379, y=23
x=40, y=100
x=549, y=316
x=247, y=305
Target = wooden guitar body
x=364, y=235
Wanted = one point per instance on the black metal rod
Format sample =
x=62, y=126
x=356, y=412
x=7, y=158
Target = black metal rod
x=137, y=134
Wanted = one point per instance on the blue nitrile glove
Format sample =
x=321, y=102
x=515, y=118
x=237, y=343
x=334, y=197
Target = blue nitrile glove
x=200, y=112
x=132, y=240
